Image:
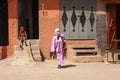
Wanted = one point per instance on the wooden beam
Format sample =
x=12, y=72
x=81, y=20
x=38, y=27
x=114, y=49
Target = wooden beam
x=111, y=1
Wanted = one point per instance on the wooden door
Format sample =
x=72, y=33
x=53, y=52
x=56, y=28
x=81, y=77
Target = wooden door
x=111, y=25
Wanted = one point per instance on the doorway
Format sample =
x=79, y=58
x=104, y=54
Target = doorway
x=118, y=24
x=111, y=26
x=28, y=17
x=113, y=32
x=4, y=23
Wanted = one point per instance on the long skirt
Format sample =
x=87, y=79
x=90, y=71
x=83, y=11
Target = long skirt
x=60, y=58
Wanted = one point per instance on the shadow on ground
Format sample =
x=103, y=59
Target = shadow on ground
x=67, y=66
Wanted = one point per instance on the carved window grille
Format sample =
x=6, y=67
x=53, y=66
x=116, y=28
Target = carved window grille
x=78, y=19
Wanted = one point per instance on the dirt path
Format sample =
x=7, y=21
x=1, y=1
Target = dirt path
x=47, y=71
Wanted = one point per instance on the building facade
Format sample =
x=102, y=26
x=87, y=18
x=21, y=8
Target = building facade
x=82, y=22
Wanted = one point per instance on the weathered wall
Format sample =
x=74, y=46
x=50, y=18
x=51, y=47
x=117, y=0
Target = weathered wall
x=101, y=24
x=13, y=24
x=49, y=19
x=12, y=29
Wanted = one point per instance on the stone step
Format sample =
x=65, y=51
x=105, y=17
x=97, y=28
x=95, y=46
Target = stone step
x=26, y=56
x=35, y=47
x=37, y=58
x=20, y=54
x=85, y=50
x=21, y=57
x=36, y=52
x=34, y=41
x=19, y=43
x=97, y=58
x=83, y=46
x=17, y=48
x=17, y=53
x=84, y=53
x=36, y=55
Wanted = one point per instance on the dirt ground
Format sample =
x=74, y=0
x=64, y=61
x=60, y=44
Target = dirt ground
x=48, y=71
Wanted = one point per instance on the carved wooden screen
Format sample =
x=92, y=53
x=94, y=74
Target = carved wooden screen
x=78, y=19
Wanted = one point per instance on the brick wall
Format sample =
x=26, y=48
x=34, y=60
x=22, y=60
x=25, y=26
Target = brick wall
x=12, y=29
x=48, y=21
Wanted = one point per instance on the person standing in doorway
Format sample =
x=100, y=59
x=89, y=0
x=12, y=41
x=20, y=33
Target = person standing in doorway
x=22, y=37
x=57, y=46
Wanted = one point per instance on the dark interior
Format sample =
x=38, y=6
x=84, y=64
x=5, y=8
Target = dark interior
x=3, y=23
x=28, y=17
x=118, y=24
x=35, y=19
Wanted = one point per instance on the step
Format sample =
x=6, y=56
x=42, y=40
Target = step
x=37, y=58
x=19, y=42
x=26, y=56
x=35, y=47
x=20, y=54
x=21, y=59
x=82, y=46
x=28, y=51
x=36, y=52
x=114, y=50
x=36, y=55
x=97, y=58
x=18, y=48
x=34, y=41
x=113, y=54
x=85, y=52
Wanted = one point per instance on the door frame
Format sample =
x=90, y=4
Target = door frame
x=27, y=18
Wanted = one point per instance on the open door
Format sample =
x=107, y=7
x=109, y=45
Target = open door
x=118, y=24
x=111, y=26
x=28, y=17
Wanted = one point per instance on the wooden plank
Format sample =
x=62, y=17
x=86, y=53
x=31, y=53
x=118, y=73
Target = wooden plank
x=112, y=1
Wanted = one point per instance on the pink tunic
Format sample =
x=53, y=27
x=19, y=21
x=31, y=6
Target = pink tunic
x=57, y=46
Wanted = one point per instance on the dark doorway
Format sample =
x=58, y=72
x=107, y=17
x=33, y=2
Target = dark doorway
x=35, y=19
x=111, y=33
x=28, y=17
x=118, y=24
x=3, y=23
